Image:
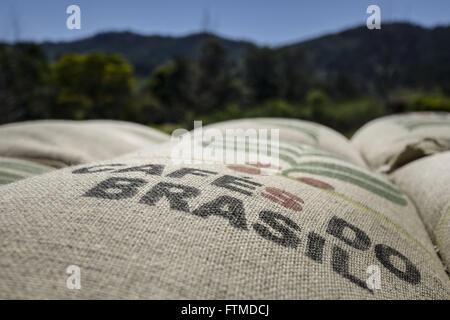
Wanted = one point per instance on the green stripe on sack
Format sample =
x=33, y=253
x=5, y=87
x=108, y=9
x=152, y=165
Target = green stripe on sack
x=228, y=145
x=23, y=167
x=311, y=132
x=6, y=181
x=359, y=174
x=362, y=184
x=236, y=148
x=7, y=177
x=288, y=159
x=325, y=155
x=294, y=163
x=412, y=125
x=413, y=138
x=303, y=150
x=386, y=221
x=311, y=151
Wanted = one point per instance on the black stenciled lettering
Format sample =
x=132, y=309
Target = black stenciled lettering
x=153, y=169
x=185, y=171
x=232, y=183
x=340, y=264
x=116, y=188
x=227, y=207
x=410, y=273
x=337, y=227
x=288, y=238
x=314, y=248
x=104, y=166
x=177, y=198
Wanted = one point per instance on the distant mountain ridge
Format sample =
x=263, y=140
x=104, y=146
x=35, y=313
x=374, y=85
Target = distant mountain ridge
x=144, y=52
x=397, y=51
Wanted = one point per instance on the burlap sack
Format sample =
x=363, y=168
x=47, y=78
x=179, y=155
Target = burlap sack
x=143, y=227
x=309, y=165
x=443, y=236
x=298, y=131
x=260, y=152
x=427, y=182
x=12, y=169
x=391, y=142
x=60, y=143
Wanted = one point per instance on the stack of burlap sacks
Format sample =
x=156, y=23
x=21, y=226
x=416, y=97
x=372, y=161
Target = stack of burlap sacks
x=414, y=150
x=34, y=147
x=152, y=224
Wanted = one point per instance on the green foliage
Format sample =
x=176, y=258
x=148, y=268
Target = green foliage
x=277, y=108
x=186, y=87
x=341, y=80
x=349, y=115
x=172, y=85
x=25, y=90
x=295, y=72
x=345, y=117
x=270, y=108
x=402, y=55
x=214, y=86
x=317, y=99
x=93, y=86
x=274, y=74
x=145, y=53
x=343, y=87
x=260, y=73
x=434, y=102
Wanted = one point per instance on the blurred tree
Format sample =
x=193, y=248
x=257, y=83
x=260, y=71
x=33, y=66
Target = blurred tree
x=295, y=73
x=428, y=102
x=317, y=100
x=343, y=86
x=261, y=75
x=214, y=85
x=25, y=92
x=172, y=85
x=93, y=86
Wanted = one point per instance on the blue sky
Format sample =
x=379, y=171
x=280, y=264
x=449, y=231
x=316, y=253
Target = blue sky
x=269, y=22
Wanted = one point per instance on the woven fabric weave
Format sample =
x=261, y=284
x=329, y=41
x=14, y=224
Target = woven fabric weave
x=427, y=181
x=145, y=228
x=390, y=142
x=61, y=143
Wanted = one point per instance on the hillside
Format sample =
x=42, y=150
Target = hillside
x=144, y=52
x=400, y=54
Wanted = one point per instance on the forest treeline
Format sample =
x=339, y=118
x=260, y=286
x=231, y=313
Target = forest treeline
x=211, y=87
